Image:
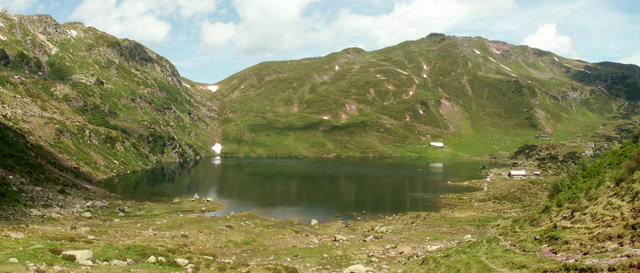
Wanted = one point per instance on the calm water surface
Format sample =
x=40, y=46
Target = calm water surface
x=304, y=189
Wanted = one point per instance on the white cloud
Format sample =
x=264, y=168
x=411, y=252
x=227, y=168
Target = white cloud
x=632, y=59
x=548, y=38
x=272, y=27
x=190, y=8
x=16, y=5
x=413, y=19
x=144, y=20
x=216, y=35
x=264, y=27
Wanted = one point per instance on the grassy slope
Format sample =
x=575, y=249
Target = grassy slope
x=103, y=104
x=597, y=205
x=22, y=160
x=385, y=103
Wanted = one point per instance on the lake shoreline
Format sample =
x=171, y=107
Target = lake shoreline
x=473, y=232
x=236, y=242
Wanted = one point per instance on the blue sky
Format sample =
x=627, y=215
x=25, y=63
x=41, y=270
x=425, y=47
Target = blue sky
x=209, y=40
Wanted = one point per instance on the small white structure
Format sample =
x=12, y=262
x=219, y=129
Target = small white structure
x=217, y=148
x=518, y=174
x=436, y=144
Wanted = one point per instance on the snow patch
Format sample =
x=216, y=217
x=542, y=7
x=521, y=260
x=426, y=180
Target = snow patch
x=571, y=66
x=476, y=51
x=325, y=117
x=424, y=76
x=217, y=148
x=337, y=68
x=420, y=111
x=556, y=58
x=186, y=85
x=503, y=66
x=403, y=72
x=213, y=88
x=1, y=25
x=73, y=32
x=3, y=38
x=410, y=93
x=424, y=66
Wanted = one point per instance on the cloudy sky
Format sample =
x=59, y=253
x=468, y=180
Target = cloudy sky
x=209, y=40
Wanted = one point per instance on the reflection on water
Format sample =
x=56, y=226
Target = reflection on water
x=303, y=189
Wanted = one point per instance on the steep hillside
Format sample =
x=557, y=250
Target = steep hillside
x=591, y=218
x=101, y=104
x=32, y=176
x=479, y=96
x=602, y=200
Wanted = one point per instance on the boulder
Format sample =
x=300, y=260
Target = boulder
x=162, y=260
x=152, y=260
x=181, y=262
x=77, y=256
x=123, y=209
x=339, y=238
x=100, y=204
x=358, y=268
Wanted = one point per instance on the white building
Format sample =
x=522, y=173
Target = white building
x=518, y=174
x=436, y=144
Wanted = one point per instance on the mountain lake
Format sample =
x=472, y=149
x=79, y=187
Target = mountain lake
x=305, y=189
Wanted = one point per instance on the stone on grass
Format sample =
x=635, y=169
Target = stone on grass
x=123, y=209
x=86, y=214
x=55, y=215
x=16, y=235
x=196, y=196
x=162, y=260
x=100, y=204
x=77, y=255
x=152, y=260
x=339, y=238
x=358, y=268
x=130, y=261
x=181, y=262
x=35, y=212
x=119, y=262
x=314, y=222
x=13, y=260
x=468, y=237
